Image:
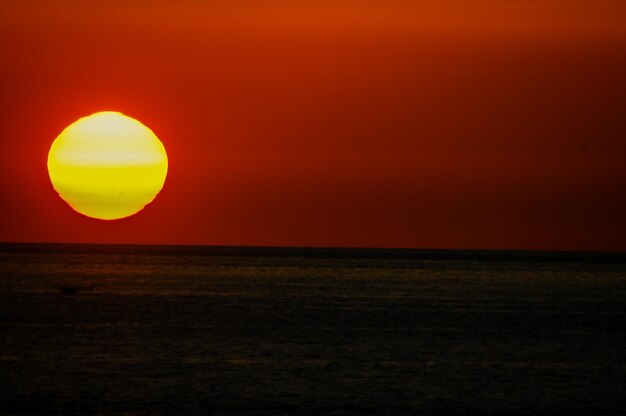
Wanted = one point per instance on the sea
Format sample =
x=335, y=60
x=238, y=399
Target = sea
x=177, y=330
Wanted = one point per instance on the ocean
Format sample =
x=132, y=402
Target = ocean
x=151, y=330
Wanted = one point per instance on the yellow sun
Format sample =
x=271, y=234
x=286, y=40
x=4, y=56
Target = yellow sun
x=107, y=165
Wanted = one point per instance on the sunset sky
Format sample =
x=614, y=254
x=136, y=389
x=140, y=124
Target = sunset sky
x=428, y=124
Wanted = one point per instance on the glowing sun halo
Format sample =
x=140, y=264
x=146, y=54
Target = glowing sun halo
x=107, y=165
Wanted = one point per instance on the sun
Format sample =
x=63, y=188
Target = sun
x=107, y=165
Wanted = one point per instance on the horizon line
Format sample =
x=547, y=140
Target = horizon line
x=393, y=252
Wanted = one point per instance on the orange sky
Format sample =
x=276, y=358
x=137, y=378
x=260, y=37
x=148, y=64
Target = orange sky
x=435, y=124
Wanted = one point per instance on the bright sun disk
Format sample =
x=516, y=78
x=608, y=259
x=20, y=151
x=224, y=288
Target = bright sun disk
x=107, y=165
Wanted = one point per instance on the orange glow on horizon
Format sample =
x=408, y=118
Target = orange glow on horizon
x=433, y=124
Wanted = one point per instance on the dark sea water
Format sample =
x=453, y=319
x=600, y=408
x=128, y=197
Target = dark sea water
x=236, y=331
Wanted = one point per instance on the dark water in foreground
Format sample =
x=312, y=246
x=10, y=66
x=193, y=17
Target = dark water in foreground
x=337, y=332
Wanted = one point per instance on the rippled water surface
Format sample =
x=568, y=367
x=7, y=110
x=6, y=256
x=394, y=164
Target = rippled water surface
x=266, y=332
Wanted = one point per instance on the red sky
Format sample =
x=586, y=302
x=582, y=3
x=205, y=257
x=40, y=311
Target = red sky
x=434, y=124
